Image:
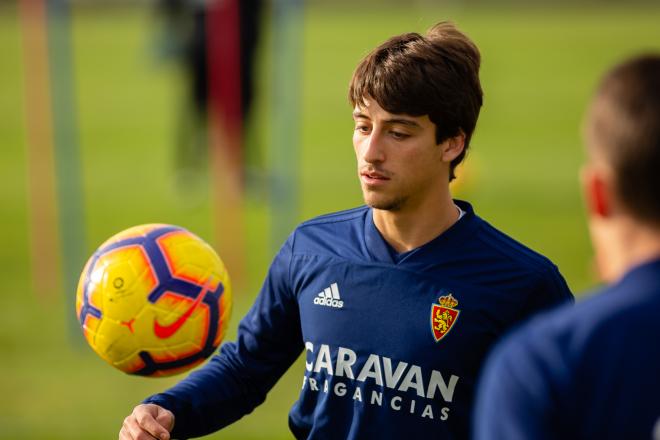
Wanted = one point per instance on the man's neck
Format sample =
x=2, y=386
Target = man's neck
x=626, y=246
x=407, y=229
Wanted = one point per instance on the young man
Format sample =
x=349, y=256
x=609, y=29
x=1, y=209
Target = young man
x=593, y=370
x=394, y=304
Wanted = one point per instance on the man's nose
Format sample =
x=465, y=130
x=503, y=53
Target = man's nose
x=373, y=148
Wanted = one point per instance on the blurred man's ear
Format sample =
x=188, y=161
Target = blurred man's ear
x=453, y=147
x=597, y=186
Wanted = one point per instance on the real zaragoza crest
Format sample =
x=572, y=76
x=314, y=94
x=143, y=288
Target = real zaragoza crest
x=443, y=316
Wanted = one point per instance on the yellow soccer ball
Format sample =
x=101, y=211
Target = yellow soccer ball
x=154, y=300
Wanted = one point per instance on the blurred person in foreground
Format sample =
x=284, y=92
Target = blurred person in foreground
x=593, y=370
x=394, y=304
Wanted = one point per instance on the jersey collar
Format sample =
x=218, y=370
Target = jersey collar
x=382, y=252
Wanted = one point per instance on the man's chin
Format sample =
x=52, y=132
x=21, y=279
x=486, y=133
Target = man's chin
x=384, y=205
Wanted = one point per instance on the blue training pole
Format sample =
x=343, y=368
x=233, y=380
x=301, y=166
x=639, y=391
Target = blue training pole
x=67, y=152
x=286, y=114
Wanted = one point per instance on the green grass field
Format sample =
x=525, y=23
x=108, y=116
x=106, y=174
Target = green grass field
x=539, y=68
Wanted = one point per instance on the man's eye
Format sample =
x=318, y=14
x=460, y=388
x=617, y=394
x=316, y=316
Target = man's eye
x=399, y=135
x=362, y=128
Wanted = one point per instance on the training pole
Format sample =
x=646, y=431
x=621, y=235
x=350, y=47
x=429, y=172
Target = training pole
x=225, y=134
x=40, y=157
x=67, y=152
x=286, y=115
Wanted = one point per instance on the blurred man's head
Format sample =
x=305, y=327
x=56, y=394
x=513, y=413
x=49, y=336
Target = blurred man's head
x=622, y=176
x=435, y=75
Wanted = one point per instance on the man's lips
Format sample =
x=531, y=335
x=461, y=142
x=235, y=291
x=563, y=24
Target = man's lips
x=373, y=177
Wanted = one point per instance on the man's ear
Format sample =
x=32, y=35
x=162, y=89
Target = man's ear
x=597, y=188
x=453, y=147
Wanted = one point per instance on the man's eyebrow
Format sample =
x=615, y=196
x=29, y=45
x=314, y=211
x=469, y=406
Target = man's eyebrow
x=408, y=122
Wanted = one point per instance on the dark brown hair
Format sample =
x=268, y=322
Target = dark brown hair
x=624, y=126
x=435, y=75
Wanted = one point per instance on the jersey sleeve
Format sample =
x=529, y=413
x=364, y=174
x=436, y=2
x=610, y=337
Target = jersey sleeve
x=550, y=291
x=237, y=379
x=516, y=392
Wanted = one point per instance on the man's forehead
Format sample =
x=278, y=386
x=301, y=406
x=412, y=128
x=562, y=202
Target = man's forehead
x=372, y=110
x=370, y=107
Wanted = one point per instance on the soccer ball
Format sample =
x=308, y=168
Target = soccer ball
x=154, y=300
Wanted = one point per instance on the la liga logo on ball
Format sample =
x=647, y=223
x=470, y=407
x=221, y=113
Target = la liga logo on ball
x=154, y=300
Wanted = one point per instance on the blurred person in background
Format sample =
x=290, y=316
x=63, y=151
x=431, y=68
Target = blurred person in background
x=593, y=370
x=394, y=304
x=183, y=36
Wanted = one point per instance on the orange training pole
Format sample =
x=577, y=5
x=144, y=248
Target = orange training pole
x=40, y=156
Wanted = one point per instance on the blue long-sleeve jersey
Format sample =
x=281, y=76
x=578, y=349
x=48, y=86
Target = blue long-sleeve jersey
x=586, y=372
x=393, y=343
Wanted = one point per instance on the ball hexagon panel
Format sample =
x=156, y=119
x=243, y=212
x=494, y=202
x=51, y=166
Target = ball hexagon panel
x=189, y=258
x=123, y=278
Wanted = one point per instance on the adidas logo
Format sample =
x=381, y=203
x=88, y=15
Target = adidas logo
x=329, y=297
